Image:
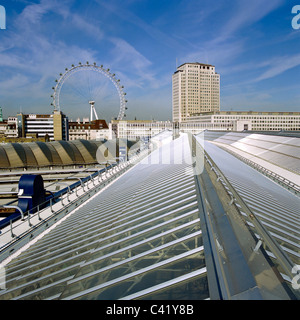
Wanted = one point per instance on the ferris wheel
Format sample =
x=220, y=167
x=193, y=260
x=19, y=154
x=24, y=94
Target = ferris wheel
x=88, y=86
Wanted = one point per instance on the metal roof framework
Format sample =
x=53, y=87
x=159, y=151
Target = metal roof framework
x=133, y=239
x=181, y=224
x=275, y=207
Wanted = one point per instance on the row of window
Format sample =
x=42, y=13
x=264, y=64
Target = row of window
x=263, y=121
x=258, y=117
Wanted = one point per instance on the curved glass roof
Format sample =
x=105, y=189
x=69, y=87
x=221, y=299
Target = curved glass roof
x=41, y=154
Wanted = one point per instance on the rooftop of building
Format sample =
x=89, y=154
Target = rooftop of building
x=94, y=124
x=45, y=154
x=186, y=219
x=197, y=63
x=32, y=115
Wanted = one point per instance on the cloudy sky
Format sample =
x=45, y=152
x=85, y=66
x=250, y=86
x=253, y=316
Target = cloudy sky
x=251, y=43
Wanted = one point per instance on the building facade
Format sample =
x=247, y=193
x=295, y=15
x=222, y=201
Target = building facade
x=214, y=121
x=250, y=120
x=195, y=89
x=135, y=129
x=88, y=130
x=146, y=129
x=8, y=129
x=53, y=125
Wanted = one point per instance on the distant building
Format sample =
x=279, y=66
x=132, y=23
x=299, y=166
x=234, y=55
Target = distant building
x=9, y=133
x=135, y=129
x=215, y=121
x=195, y=89
x=33, y=138
x=54, y=125
x=249, y=120
x=8, y=129
x=86, y=130
x=141, y=129
x=196, y=105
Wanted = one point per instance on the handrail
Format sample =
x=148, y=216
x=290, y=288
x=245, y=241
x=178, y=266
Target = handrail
x=274, y=247
x=49, y=202
x=81, y=183
x=259, y=233
x=265, y=171
x=69, y=190
x=15, y=207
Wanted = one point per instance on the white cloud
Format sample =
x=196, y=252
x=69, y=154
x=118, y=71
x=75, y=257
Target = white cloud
x=31, y=59
x=225, y=47
x=279, y=65
x=17, y=82
x=244, y=14
x=221, y=55
x=127, y=15
x=88, y=27
x=126, y=58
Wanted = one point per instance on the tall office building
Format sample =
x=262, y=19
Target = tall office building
x=195, y=89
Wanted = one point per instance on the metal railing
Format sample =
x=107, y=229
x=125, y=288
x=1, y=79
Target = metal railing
x=103, y=177
x=283, y=260
x=274, y=176
x=249, y=231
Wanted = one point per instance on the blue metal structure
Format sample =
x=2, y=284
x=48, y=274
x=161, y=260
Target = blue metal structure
x=31, y=192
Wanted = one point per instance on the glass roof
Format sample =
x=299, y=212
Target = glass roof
x=140, y=238
x=276, y=207
x=279, y=150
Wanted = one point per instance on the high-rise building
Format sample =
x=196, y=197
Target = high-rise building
x=196, y=89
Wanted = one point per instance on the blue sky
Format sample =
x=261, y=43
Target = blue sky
x=251, y=43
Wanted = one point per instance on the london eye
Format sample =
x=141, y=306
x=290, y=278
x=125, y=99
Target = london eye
x=89, y=89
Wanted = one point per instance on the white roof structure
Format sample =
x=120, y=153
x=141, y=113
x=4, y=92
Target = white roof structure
x=183, y=220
